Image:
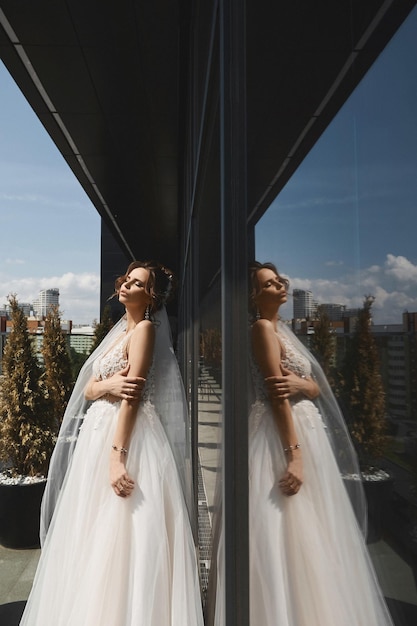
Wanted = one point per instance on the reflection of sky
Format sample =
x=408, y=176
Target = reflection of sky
x=346, y=223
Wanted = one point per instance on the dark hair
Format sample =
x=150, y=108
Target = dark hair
x=254, y=288
x=160, y=284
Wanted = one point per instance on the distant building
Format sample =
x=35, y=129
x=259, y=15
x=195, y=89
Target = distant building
x=303, y=304
x=335, y=312
x=81, y=339
x=47, y=298
x=26, y=307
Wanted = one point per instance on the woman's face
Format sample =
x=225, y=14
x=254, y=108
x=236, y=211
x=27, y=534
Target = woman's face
x=271, y=288
x=133, y=290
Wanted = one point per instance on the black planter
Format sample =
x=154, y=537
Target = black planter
x=19, y=514
x=378, y=495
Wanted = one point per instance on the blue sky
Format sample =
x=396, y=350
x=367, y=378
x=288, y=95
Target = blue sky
x=345, y=225
x=50, y=231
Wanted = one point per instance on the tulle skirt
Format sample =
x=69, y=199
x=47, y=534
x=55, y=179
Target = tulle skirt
x=111, y=561
x=309, y=564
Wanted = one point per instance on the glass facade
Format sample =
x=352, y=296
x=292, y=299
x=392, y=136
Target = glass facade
x=341, y=229
x=338, y=219
x=346, y=223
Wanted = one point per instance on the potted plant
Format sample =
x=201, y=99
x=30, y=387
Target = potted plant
x=27, y=436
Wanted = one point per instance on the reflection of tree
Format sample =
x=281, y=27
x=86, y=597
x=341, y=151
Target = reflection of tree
x=211, y=347
x=362, y=390
x=323, y=343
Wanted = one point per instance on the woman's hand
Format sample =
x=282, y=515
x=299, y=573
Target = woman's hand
x=125, y=387
x=290, y=385
x=119, y=386
x=120, y=480
x=290, y=483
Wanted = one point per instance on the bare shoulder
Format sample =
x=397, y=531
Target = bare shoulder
x=144, y=331
x=262, y=327
x=144, y=326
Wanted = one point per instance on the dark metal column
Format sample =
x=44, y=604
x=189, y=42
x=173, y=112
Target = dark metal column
x=234, y=308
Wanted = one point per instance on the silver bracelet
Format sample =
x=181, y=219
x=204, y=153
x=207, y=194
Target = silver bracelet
x=291, y=448
x=121, y=450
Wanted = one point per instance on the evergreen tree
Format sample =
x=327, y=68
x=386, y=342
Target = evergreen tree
x=362, y=390
x=27, y=430
x=57, y=364
x=102, y=328
x=77, y=361
x=322, y=343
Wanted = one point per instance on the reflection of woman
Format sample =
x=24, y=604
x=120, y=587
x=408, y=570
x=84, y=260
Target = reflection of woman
x=308, y=562
x=119, y=549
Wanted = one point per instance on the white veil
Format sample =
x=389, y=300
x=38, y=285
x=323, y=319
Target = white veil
x=336, y=430
x=170, y=402
x=168, y=397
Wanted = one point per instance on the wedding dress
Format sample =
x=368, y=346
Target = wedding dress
x=309, y=564
x=111, y=561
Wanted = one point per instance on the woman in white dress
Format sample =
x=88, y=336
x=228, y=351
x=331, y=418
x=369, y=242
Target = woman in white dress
x=117, y=546
x=309, y=564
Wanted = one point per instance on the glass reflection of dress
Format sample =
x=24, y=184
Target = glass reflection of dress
x=309, y=564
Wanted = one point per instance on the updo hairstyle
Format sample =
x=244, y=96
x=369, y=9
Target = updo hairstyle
x=160, y=285
x=254, y=288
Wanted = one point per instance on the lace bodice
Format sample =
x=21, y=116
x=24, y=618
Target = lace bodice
x=291, y=359
x=116, y=359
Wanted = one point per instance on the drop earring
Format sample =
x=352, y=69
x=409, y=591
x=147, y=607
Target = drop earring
x=148, y=312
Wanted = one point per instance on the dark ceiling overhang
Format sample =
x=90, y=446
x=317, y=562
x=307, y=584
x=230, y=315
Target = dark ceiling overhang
x=108, y=81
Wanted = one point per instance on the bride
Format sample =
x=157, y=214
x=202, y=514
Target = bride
x=309, y=564
x=117, y=547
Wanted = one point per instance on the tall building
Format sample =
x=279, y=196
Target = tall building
x=303, y=304
x=47, y=298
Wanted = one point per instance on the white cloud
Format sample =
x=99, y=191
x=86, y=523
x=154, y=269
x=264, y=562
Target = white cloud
x=334, y=263
x=394, y=286
x=79, y=294
x=401, y=268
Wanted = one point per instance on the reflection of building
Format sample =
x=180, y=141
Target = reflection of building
x=391, y=341
x=401, y=361
x=303, y=304
x=334, y=312
x=397, y=346
x=47, y=298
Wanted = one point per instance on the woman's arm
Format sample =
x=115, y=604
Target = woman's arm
x=289, y=385
x=139, y=358
x=267, y=354
x=120, y=386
